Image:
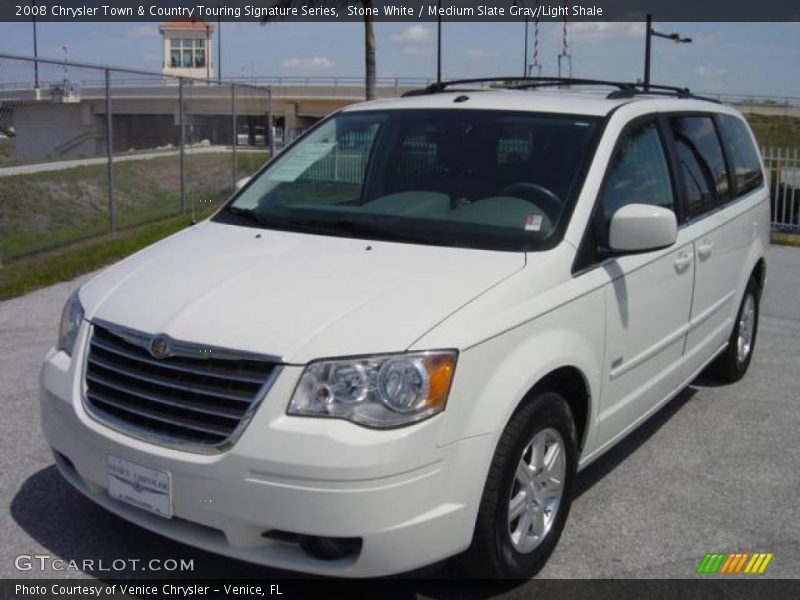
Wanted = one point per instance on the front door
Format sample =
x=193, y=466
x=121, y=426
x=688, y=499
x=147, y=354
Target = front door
x=648, y=300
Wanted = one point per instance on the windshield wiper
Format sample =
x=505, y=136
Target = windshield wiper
x=248, y=213
x=373, y=228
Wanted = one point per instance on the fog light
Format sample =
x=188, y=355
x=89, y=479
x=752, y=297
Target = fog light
x=329, y=548
x=322, y=548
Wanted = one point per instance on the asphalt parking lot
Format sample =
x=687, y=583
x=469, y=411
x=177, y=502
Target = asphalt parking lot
x=715, y=470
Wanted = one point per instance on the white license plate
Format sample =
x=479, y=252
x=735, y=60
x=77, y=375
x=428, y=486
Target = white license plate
x=139, y=486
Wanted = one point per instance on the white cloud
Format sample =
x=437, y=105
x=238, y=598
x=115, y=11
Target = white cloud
x=416, y=34
x=601, y=31
x=707, y=71
x=707, y=39
x=139, y=31
x=315, y=63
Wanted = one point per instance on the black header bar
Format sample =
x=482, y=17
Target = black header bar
x=395, y=10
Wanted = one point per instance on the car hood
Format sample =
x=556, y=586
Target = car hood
x=292, y=295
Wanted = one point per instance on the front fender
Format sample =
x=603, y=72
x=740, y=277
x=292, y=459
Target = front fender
x=494, y=376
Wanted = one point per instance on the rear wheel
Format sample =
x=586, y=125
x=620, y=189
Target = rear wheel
x=528, y=492
x=732, y=364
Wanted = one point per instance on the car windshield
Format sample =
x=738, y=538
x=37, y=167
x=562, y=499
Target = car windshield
x=470, y=178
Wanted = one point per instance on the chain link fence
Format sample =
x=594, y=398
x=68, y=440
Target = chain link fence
x=87, y=150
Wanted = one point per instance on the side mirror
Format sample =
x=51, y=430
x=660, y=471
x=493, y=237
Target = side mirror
x=242, y=182
x=642, y=227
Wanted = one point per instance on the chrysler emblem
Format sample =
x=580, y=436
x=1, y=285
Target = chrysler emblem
x=159, y=347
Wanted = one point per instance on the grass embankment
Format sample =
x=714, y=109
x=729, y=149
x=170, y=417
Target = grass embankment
x=45, y=210
x=53, y=225
x=775, y=130
x=6, y=150
x=786, y=239
x=38, y=270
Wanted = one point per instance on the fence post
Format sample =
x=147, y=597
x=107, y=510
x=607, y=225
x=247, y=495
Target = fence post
x=182, y=122
x=110, y=155
x=235, y=136
x=270, y=130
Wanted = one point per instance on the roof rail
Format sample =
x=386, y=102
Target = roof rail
x=624, y=89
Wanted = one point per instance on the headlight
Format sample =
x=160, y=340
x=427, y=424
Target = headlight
x=71, y=318
x=376, y=391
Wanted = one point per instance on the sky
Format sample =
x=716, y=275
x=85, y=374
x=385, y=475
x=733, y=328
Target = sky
x=724, y=58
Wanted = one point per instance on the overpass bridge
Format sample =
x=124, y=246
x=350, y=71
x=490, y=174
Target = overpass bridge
x=65, y=119
x=66, y=115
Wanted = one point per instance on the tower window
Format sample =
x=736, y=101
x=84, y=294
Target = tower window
x=187, y=53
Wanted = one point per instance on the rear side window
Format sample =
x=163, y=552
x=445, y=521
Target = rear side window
x=638, y=173
x=701, y=163
x=746, y=165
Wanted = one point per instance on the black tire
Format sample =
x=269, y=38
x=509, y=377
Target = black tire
x=492, y=554
x=728, y=367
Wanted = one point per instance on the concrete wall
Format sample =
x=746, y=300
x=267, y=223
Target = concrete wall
x=47, y=130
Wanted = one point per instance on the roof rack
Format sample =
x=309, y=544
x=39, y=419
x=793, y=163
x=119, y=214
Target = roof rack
x=624, y=89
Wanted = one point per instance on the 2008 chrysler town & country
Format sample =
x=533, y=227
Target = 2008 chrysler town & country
x=400, y=340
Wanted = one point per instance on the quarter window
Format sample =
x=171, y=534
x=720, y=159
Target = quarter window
x=744, y=156
x=701, y=163
x=638, y=173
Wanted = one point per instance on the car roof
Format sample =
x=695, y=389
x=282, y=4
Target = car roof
x=591, y=102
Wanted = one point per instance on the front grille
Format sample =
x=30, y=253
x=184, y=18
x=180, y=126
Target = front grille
x=182, y=399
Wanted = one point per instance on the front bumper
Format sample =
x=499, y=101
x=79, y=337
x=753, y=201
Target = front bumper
x=411, y=501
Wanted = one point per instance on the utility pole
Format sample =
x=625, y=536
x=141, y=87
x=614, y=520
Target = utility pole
x=207, y=51
x=438, y=41
x=648, y=36
x=35, y=50
x=647, y=44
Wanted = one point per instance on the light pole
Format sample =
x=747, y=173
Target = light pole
x=219, y=48
x=525, y=60
x=648, y=36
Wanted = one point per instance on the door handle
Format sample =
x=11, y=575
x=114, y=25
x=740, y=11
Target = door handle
x=683, y=261
x=704, y=249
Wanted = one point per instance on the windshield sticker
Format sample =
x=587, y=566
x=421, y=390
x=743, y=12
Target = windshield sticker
x=533, y=222
x=300, y=159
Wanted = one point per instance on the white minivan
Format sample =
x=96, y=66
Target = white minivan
x=403, y=337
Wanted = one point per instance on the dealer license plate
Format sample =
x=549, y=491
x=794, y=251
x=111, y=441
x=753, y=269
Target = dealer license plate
x=139, y=486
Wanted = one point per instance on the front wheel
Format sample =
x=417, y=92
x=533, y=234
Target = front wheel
x=732, y=364
x=528, y=492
